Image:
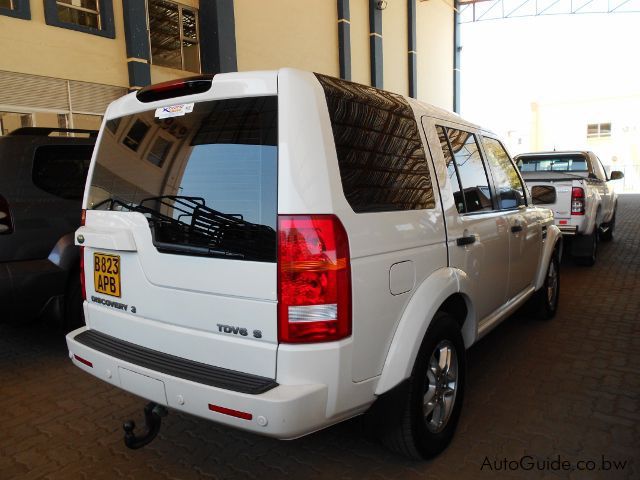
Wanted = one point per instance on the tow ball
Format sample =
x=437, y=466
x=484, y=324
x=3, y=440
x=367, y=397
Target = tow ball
x=153, y=414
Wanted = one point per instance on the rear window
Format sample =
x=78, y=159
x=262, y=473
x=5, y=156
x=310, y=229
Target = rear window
x=380, y=154
x=553, y=163
x=205, y=180
x=61, y=170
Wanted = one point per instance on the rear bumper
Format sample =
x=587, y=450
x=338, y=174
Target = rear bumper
x=283, y=411
x=569, y=230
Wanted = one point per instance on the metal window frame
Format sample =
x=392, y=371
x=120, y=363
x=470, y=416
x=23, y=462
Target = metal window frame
x=17, y=9
x=181, y=36
x=105, y=18
x=85, y=10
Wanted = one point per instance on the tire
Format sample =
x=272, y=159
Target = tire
x=428, y=420
x=545, y=300
x=607, y=236
x=73, y=312
x=590, y=259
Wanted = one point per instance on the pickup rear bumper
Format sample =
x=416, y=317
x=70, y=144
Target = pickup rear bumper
x=569, y=230
x=280, y=411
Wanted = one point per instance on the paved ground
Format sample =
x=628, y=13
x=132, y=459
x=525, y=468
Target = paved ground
x=569, y=387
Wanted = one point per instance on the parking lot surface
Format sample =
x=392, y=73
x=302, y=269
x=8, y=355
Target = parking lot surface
x=557, y=399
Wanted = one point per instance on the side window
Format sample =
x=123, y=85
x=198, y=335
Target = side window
x=451, y=169
x=61, y=170
x=381, y=157
x=473, y=177
x=506, y=178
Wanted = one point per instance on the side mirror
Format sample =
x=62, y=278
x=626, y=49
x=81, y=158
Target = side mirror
x=543, y=195
x=616, y=175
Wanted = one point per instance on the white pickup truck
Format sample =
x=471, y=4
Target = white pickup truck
x=575, y=185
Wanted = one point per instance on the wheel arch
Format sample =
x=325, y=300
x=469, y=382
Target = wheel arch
x=553, y=246
x=445, y=290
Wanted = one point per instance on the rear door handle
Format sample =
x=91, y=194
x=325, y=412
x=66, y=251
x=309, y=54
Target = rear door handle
x=516, y=228
x=466, y=240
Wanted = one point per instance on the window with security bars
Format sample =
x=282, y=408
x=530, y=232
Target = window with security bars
x=599, y=130
x=173, y=32
x=85, y=13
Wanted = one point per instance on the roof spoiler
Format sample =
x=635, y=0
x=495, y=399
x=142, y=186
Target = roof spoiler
x=175, y=88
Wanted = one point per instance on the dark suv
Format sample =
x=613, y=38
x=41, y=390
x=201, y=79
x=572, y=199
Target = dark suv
x=43, y=171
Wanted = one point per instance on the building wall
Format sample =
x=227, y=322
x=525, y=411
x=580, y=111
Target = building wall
x=435, y=52
x=563, y=126
x=394, y=47
x=287, y=33
x=360, y=60
x=32, y=46
x=268, y=35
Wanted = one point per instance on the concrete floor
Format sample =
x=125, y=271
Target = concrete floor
x=569, y=387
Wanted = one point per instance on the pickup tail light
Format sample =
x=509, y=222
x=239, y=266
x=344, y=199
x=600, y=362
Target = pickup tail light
x=83, y=219
x=6, y=222
x=314, y=279
x=577, y=201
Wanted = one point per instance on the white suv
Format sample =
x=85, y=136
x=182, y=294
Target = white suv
x=280, y=251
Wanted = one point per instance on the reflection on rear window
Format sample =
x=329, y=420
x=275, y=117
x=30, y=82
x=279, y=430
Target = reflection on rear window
x=559, y=163
x=206, y=180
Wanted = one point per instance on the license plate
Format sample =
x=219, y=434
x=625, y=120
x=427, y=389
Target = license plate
x=106, y=274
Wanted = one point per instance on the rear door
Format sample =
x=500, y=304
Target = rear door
x=180, y=235
x=525, y=241
x=477, y=233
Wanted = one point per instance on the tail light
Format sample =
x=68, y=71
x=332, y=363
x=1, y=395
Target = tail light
x=83, y=219
x=6, y=222
x=314, y=279
x=577, y=201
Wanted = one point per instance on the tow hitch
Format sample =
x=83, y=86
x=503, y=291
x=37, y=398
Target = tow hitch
x=153, y=414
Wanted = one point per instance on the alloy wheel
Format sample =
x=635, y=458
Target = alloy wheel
x=440, y=386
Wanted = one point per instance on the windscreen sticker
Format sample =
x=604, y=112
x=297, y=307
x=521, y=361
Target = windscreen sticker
x=174, y=110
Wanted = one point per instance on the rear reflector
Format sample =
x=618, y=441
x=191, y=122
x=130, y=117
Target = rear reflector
x=230, y=412
x=314, y=279
x=175, y=88
x=82, y=360
x=6, y=222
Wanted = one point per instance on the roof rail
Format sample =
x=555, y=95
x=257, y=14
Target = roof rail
x=46, y=131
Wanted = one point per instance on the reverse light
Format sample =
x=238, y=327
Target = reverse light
x=577, y=201
x=6, y=222
x=175, y=88
x=314, y=279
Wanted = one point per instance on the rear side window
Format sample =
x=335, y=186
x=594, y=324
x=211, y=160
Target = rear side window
x=472, y=177
x=380, y=153
x=505, y=175
x=205, y=180
x=61, y=170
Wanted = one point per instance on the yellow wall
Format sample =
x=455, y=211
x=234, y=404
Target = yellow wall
x=394, y=47
x=434, y=38
x=32, y=46
x=287, y=33
x=360, y=61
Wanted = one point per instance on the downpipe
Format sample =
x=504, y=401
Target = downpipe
x=153, y=414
